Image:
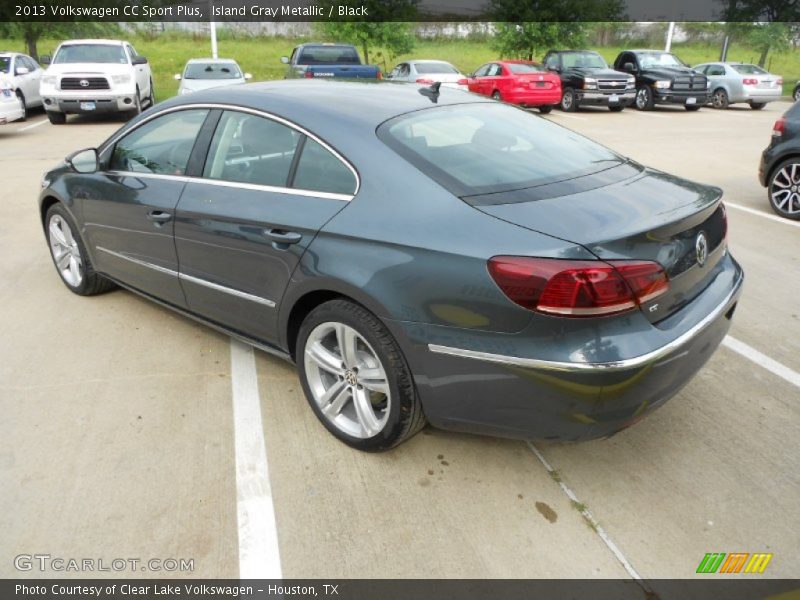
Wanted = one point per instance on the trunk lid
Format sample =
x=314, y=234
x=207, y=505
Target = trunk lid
x=652, y=216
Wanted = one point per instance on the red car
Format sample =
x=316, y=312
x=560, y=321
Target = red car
x=518, y=82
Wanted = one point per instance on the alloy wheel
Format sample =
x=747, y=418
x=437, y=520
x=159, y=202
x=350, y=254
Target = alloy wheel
x=785, y=190
x=65, y=251
x=347, y=380
x=641, y=98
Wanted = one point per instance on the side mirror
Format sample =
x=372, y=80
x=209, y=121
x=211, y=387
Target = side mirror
x=44, y=59
x=248, y=76
x=22, y=71
x=177, y=77
x=629, y=67
x=139, y=60
x=285, y=60
x=83, y=161
x=553, y=68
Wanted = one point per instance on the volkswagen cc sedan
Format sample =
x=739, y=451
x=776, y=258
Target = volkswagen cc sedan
x=421, y=254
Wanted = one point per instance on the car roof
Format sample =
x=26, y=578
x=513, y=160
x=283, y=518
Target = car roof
x=584, y=50
x=212, y=61
x=516, y=61
x=93, y=41
x=428, y=60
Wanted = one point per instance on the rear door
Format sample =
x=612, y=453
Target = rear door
x=129, y=205
x=242, y=225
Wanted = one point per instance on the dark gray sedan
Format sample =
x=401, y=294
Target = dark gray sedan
x=420, y=254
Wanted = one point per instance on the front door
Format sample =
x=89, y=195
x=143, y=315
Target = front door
x=241, y=228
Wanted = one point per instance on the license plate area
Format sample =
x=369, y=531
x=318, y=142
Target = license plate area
x=613, y=98
x=88, y=106
x=691, y=101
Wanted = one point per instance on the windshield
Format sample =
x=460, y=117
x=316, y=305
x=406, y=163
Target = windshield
x=485, y=148
x=585, y=60
x=5, y=64
x=328, y=55
x=524, y=68
x=749, y=70
x=90, y=53
x=212, y=71
x=435, y=67
x=658, y=59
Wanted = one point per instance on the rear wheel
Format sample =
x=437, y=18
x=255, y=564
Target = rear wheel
x=546, y=108
x=496, y=95
x=69, y=255
x=356, y=378
x=56, y=118
x=720, y=99
x=757, y=105
x=24, y=105
x=796, y=94
x=644, y=98
x=569, y=101
x=784, y=189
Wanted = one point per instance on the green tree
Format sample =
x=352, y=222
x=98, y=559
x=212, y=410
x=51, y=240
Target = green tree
x=387, y=26
x=31, y=32
x=525, y=40
x=762, y=37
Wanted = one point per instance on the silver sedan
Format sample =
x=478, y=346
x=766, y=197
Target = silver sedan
x=429, y=71
x=741, y=82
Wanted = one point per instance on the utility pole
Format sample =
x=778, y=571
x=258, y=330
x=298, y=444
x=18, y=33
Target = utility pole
x=212, y=29
x=670, y=31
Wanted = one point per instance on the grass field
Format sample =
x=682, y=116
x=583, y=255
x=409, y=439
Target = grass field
x=261, y=56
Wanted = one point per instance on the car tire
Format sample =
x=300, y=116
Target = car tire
x=719, y=99
x=151, y=99
x=56, y=118
x=137, y=106
x=783, y=199
x=644, y=98
x=496, y=96
x=546, y=109
x=617, y=108
x=796, y=94
x=757, y=105
x=69, y=254
x=569, y=101
x=24, y=104
x=374, y=417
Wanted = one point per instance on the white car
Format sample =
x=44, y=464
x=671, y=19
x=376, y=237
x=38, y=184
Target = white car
x=10, y=105
x=95, y=76
x=429, y=71
x=206, y=73
x=23, y=73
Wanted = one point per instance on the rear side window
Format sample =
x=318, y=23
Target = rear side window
x=251, y=149
x=161, y=146
x=484, y=148
x=321, y=171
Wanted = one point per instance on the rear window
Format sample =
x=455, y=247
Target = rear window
x=485, y=148
x=212, y=71
x=524, y=68
x=749, y=70
x=437, y=67
x=329, y=55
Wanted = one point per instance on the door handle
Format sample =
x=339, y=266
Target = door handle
x=280, y=236
x=159, y=216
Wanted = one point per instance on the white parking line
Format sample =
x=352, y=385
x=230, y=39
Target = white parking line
x=586, y=514
x=32, y=125
x=259, y=556
x=762, y=360
x=566, y=116
x=763, y=214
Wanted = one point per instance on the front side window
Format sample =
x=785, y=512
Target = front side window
x=551, y=62
x=321, y=171
x=484, y=148
x=495, y=70
x=649, y=60
x=251, y=149
x=715, y=70
x=482, y=71
x=90, y=53
x=161, y=146
x=584, y=60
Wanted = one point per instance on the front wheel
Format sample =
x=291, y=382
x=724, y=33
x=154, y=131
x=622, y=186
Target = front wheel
x=355, y=377
x=720, y=99
x=56, y=118
x=546, y=108
x=796, y=94
x=757, y=105
x=644, y=98
x=151, y=99
x=569, y=101
x=784, y=189
x=23, y=104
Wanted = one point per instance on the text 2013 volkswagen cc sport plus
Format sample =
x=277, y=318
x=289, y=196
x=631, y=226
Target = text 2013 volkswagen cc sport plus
x=421, y=254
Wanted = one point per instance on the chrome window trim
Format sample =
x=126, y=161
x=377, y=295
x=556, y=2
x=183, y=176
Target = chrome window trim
x=619, y=365
x=191, y=278
x=260, y=113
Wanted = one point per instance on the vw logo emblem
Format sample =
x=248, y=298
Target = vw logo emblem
x=84, y=82
x=701, y=248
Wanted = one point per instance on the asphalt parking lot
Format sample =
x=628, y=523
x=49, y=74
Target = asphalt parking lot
x=132, y=432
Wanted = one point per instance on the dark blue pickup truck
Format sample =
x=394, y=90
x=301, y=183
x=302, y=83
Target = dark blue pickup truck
x=314, y=61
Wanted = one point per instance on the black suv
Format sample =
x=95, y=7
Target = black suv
x=779, y=170
x=662, y=78
x=586, y=78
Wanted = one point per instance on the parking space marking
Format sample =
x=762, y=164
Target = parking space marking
x=32, y=125
x=259, y=555
x=765, y=215
x=762, y=360
x=586, y=514
x=566, y=116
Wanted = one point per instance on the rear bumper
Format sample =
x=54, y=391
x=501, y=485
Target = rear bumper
x=760, y=95
x=464, y=387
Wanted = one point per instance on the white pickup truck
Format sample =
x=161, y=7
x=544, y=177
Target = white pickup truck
x=95, y=76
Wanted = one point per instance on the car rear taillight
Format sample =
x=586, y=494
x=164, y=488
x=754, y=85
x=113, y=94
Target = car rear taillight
x=747, y=81
x=779, y=127
x=425, y=81
x=380, y=75
x=779, y=81
x=578, y=288
x=308, y=75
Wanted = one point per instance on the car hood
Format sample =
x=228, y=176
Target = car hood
x=195, y=85
x=670, y=72
x=598, y=73
x=88, y=69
